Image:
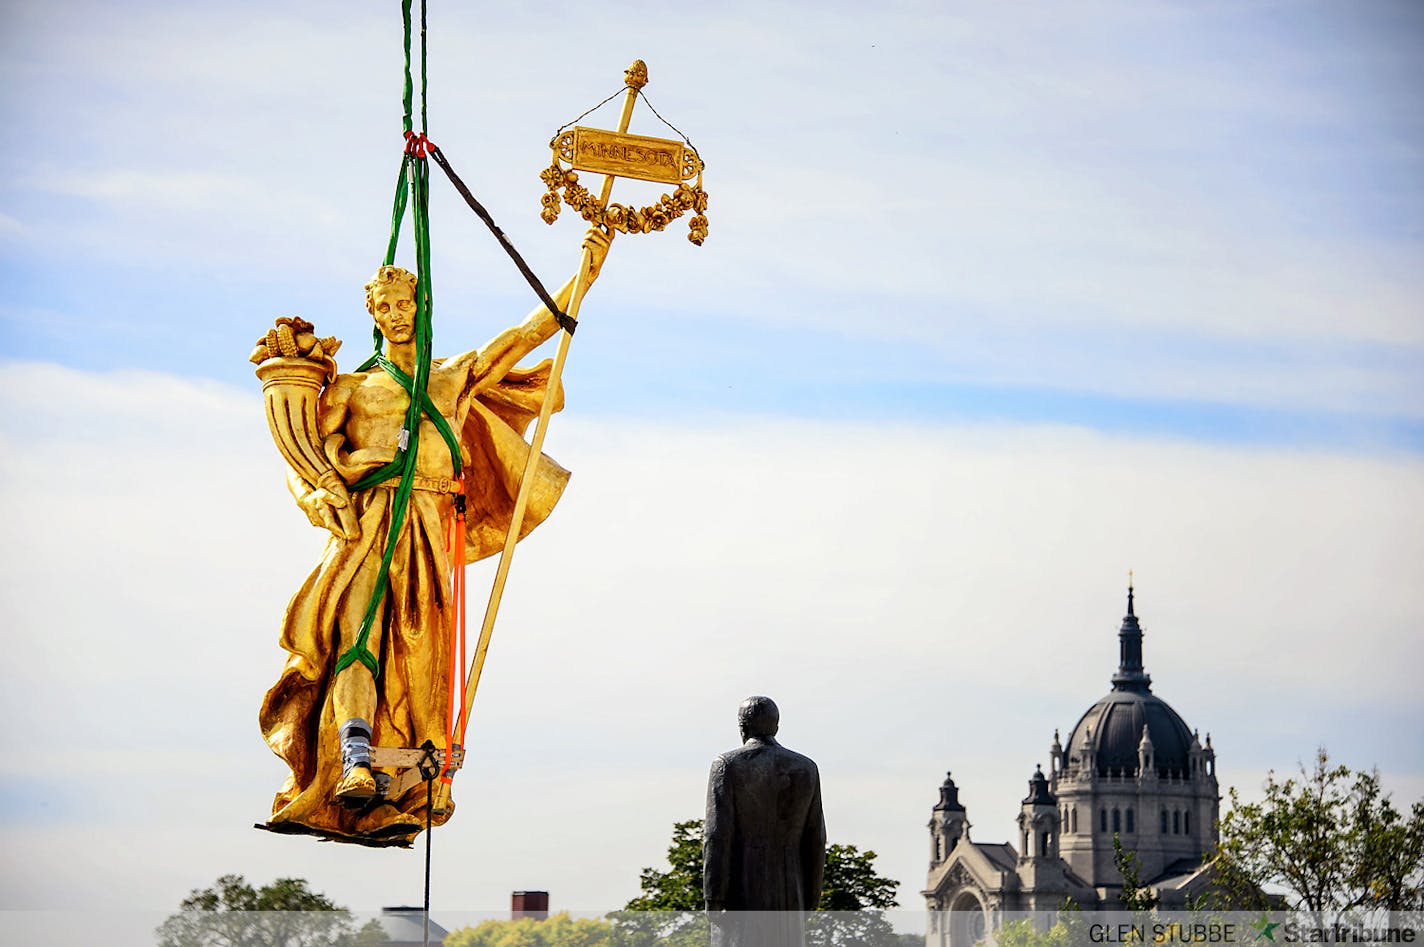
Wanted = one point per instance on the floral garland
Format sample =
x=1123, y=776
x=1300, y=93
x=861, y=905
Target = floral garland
x=621, y=217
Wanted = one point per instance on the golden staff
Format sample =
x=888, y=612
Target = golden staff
x=636, y=77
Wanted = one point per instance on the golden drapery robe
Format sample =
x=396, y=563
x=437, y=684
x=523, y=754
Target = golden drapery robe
x=413, y=623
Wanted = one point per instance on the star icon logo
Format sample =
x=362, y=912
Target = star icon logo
x=1266, y=928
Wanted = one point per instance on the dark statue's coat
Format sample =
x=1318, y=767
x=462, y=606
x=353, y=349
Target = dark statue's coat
x=764, y=842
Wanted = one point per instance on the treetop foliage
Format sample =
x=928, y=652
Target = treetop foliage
x=285, y=913
x=680, y=887
x=1136, y=896
x=558, y=930
x=851, y=883
x=1330, y=837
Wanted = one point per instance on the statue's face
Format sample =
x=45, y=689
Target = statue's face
x=393, y=307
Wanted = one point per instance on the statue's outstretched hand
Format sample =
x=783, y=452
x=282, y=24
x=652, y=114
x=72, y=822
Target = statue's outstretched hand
x=596, y=242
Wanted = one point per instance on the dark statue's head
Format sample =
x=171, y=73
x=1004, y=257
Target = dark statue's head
x=758, y=717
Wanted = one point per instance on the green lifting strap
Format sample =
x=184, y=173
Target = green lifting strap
x=397, y=465
x=405, y=461
x=413, y=185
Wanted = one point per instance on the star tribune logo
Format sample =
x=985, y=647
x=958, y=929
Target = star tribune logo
x=1266, y=929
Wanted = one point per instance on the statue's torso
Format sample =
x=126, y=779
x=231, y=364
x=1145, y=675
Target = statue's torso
x=376, y=412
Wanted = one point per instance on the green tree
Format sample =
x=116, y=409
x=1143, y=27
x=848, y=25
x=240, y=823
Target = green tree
x=850, y=884
x=1066, y=931
x=559, y=930
x=680, y=887
x=851, y=887
x=1389, y=869
x=1231, y=889
x=371, y=934
x=1330, y=837
x=232, y=913
x=1136, y=896
x=853, y=903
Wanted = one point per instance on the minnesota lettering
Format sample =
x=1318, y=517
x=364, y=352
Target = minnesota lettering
x=629, y=156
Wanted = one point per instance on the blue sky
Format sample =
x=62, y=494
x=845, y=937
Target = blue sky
x=999, y=301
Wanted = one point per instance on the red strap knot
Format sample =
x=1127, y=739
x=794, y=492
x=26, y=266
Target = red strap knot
x=416, y=144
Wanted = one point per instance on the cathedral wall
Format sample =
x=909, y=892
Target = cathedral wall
x=1138, y=813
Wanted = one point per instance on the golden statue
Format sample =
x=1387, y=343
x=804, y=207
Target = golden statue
x=340, y=695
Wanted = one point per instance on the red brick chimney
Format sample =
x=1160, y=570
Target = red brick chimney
x=533, y=904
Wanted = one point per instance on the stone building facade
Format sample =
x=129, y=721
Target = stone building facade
x=1131, y=768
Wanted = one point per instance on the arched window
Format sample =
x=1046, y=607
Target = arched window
x=1177, y=822
x=1117, y=821
x=966, y=920
x=1043, y=841
x=1102, y=820
x=1073, y=814
x=1164, y=821
x=1130, y=826
x=1187, y=822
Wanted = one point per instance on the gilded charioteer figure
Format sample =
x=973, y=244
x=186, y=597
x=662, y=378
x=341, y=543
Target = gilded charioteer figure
x=338, y=696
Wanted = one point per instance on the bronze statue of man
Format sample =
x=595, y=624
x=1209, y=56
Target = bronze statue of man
x=326, y=711
x=764, y=839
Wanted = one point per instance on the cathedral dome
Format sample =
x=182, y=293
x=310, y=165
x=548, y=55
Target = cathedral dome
x=1113, y=729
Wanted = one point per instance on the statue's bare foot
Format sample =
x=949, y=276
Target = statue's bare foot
x=356, y=786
